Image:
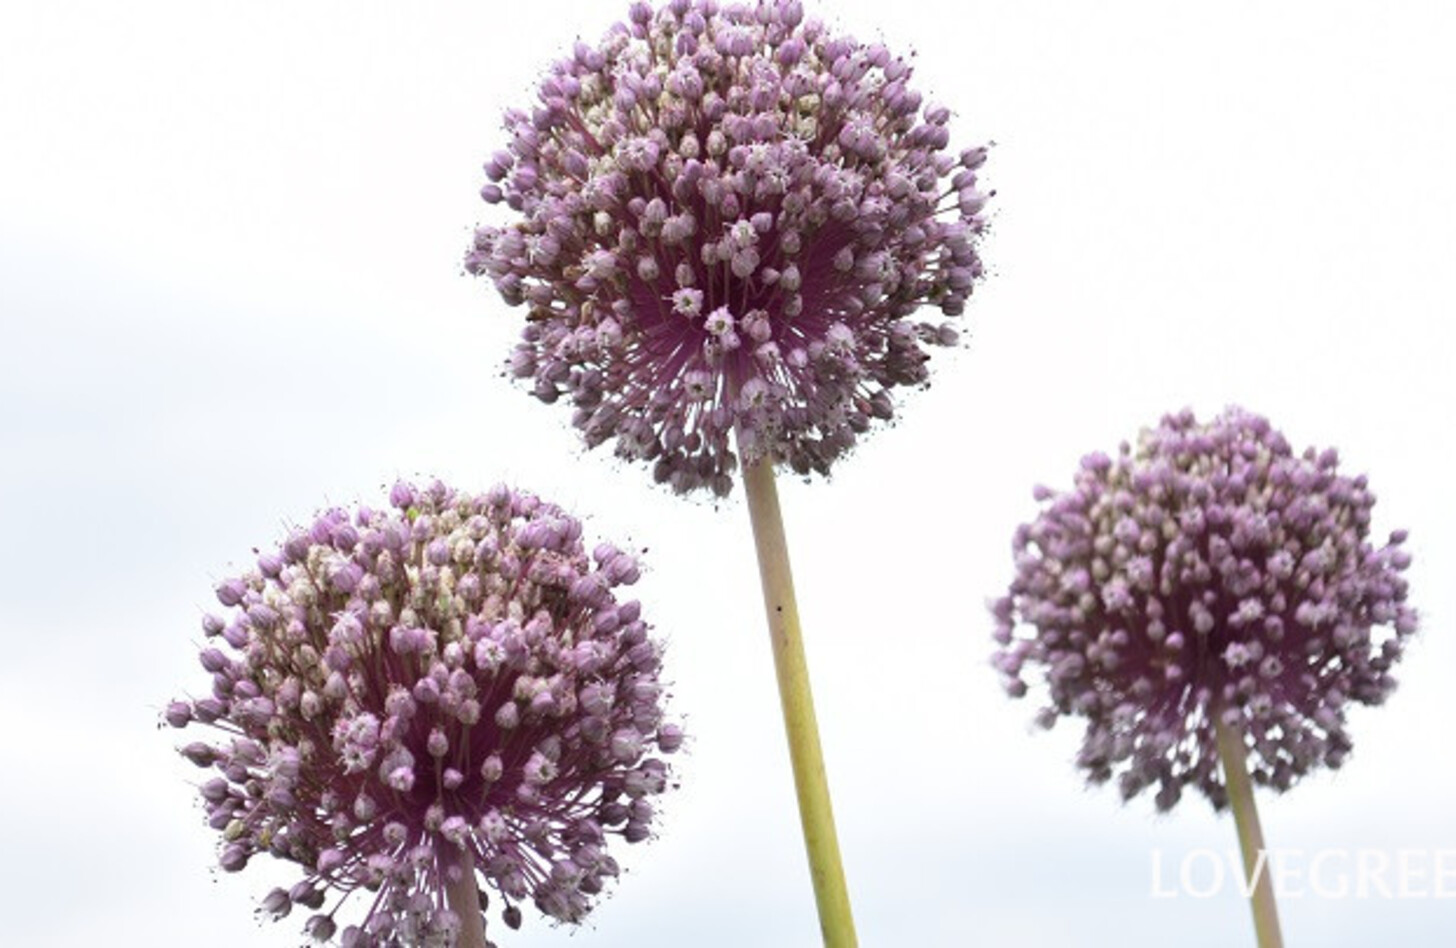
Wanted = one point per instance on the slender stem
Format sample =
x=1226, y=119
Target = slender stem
x=831, y=894
x=1251, y=836
x=463, y=897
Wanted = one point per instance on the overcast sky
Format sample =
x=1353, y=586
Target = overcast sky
x=230, y=243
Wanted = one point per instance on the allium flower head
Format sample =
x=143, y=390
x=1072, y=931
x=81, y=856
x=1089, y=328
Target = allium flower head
x=728, y=218
x=1208, y=571
x=394, y=690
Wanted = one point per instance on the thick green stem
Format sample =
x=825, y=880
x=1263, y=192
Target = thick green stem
x=463, y=897
x=815, y=814
x=1251, y=836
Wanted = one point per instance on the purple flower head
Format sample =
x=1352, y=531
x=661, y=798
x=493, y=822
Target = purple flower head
x=1207, y=571
x=726, y=217
x=475, y=688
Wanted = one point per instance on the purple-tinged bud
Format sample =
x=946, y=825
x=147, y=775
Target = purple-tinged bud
x=344, y=538
x=426, y=691
x=178, y=714
x=308, y=895
x=627, y=745
x=437, y=744
x=276, y=904
x=543, y=704
x=347, y=577
x=214, y=790
x=623, y=570
x=401, y=495
x=973, y=158
x=201, y=754
x=669, y=738
x=230, y=592
x=233, y=859
x=365, y=809
x=595, y=699
x=295, y=549
x=208, y=710
x=320, y=928
x=539, y=770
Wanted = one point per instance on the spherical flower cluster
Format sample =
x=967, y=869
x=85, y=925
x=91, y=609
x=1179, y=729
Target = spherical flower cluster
x=727, y=218
x=1209, y=574
x=449, y=687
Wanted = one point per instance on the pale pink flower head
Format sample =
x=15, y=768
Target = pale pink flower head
x=1206, y=571
x=726, y=217
x=391, y=690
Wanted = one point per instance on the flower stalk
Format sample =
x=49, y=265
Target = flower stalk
x=831, y=893
x=1251, y=835
x=462, y=894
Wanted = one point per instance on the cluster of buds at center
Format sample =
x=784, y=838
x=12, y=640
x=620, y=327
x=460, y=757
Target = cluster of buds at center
x=728, y=217
x=448, y=687
x=1208, y=572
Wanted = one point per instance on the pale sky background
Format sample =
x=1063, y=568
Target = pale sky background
x=230, y=243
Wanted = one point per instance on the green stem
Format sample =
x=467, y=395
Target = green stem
x=463, y=897
x=831, y=894
x=1251, y=836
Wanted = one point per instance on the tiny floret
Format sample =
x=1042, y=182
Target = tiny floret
x=1208, y=573
x=437, y=704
